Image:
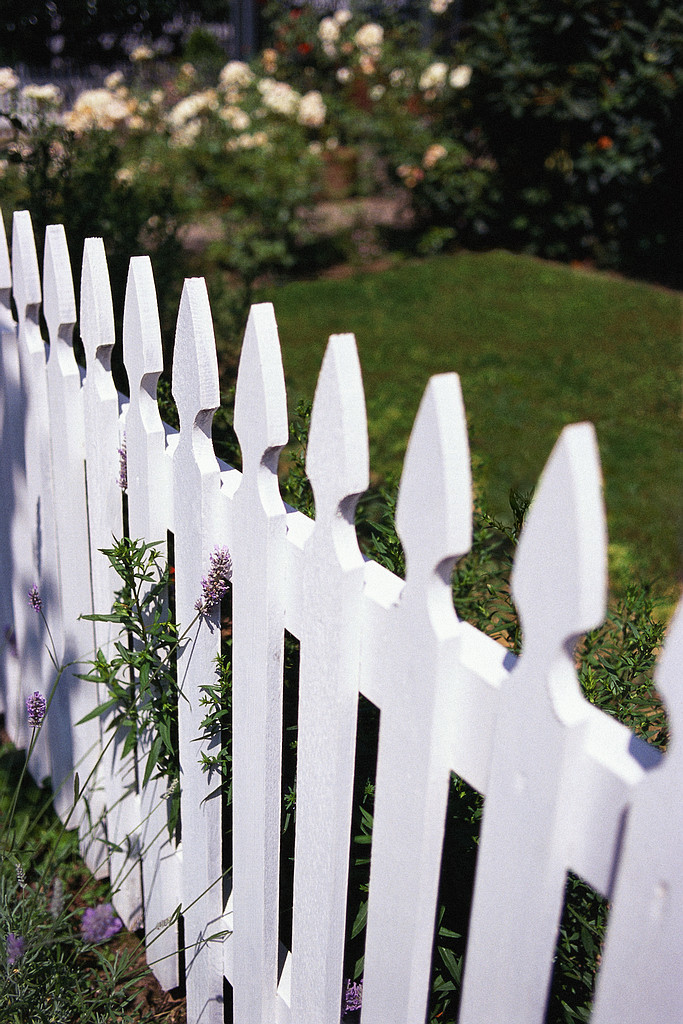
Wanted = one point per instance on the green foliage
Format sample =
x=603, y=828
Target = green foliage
x=140, y=677
x=216, y=698
x=580, y=104
x=58, y=980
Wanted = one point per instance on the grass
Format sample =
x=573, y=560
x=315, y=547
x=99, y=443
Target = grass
x=537, y=345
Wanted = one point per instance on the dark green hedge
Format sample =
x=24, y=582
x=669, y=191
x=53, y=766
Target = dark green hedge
x=581, y=105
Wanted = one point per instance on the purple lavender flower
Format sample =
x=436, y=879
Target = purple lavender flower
x=100, y=923
x=35, y=708
x=34, y=598
x=353, y=997
x=16, y=947
x=215, y=585
x=123, y=465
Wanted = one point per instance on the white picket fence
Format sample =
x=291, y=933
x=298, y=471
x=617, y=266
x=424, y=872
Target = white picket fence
x=567, y=788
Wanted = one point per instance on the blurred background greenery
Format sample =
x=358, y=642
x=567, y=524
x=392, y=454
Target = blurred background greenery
x=445, y=146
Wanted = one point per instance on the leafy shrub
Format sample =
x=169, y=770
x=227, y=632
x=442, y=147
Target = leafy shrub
x=581, y=108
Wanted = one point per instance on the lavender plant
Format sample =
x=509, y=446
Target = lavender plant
x=139, y=677
x=53, y=964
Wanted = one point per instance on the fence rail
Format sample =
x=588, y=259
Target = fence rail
x=567, y=787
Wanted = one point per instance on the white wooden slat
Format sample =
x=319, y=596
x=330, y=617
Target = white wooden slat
x=79, y=745
x=116, y=777
x=559, y=587
x=148, y=520
x=12, y=479
x=338, y=467
x=259, y=538
x=416, y=653
x=640, y=978
x=36, y=549
x=195, y=502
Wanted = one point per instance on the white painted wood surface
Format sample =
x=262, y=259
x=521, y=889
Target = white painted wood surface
x=258, y=531
x=195, y=491
x=35, y=544
x=103, y=438
x=149, y=518
x=328, y=685
x=12, y=481
x=567, y=788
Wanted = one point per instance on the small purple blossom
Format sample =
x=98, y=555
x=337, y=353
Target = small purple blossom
x=34, y=598
x=123, y=465
x=215, y=585
x=16, y=947
x=35, y=708
x=100, y=923
x=353, y=997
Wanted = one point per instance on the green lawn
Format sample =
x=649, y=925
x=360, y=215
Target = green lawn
x=537, y=345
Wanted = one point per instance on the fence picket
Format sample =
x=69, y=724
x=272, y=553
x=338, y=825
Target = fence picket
x=79, y=746
x=12, y=480
x=558, y=584
x=36, y=548
x=105, y=515
x=259, y=536
x=149, y=504
x=338, y=467
x=416, y=653
x=195, y=500
x=647, y=903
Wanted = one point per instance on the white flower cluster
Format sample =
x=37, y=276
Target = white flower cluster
x=97, y=108
x=433, y=154
x=328, y=34
x=48, y=94
x=191, y=106
x=8, y=80
x=312, y=110
x=235, y=75
x=433, y=78
x=369, y=39
x=439, y=6
x=237, y=118
x=279, y=97
x=460, y=77
x=247, y=141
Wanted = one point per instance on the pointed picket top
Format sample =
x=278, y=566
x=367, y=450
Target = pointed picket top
x=669, y=681
x=142, y=350
x=434, y=509
x=559, y=578
x=59, y=301
x=97, y=309
x=260, y=399
x=337, y=458
x=195, y=364
x=27, y=292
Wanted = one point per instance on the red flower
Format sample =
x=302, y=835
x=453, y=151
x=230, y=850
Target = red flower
x=304, y=48
x=604, y=142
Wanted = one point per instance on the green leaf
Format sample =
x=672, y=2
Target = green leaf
x=361, y=919
x=152, y=760
x=453, y=965
x=101, y=709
